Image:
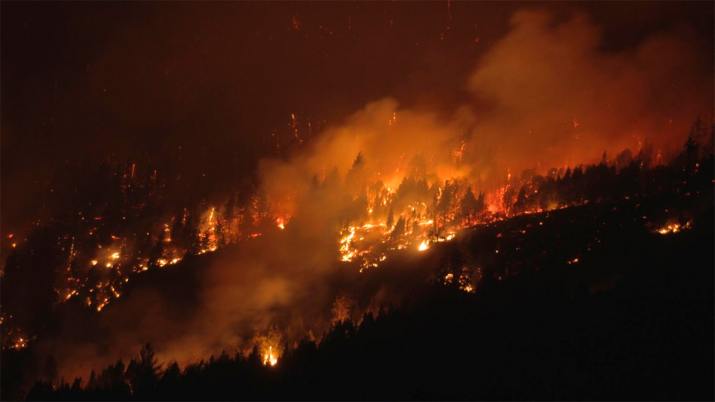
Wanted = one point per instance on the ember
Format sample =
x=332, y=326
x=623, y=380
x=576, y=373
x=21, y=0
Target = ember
x=671, y=228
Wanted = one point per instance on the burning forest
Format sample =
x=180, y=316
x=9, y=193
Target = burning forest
x=519, y=197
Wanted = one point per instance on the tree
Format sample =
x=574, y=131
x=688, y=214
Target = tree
x=143, y=375
x=390, y=218
x=399, y=228
x=469, y=207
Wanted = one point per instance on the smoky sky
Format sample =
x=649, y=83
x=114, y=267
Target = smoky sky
x=204, y=89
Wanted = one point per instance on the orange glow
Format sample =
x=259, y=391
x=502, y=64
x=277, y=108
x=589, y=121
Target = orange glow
x=424, y=245
x=270, y=357
x=672, y=228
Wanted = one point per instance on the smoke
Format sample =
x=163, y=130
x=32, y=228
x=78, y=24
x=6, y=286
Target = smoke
x=557, y=98
x=545, y=95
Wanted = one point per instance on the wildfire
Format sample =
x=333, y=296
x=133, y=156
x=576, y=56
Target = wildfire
x=270, y=357
x=102, y=304
x=207, y=233
x=19, y=343
x=396, y=213
x=672, y=228
x=465, y=280
x=71, y=294
x=431, y=212
x=269, y=348
x=424, y=245
x=399, y=219
x=346, y=252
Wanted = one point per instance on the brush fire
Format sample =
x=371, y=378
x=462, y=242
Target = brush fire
x=308, y=225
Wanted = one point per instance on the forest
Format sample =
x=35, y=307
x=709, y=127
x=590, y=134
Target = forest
x=607, y=299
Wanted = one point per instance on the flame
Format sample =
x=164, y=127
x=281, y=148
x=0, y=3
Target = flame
x=102, y=304
x=207, y=233
x=672, y=228
x=464, y=281
x=346, y=252
x=270, y=357
x=424, y=245
x=448, y=278
x=71, y=294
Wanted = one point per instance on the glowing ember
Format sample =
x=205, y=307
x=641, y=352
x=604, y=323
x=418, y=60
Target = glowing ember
x=102, y=304
x=672, y=228
x=19, y=343
x=71, y=294
x=448, y=278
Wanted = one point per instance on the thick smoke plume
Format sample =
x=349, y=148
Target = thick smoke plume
x=546, y=95
x=556, y=98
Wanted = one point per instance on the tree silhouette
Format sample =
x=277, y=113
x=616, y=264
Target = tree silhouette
x=143, y=374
